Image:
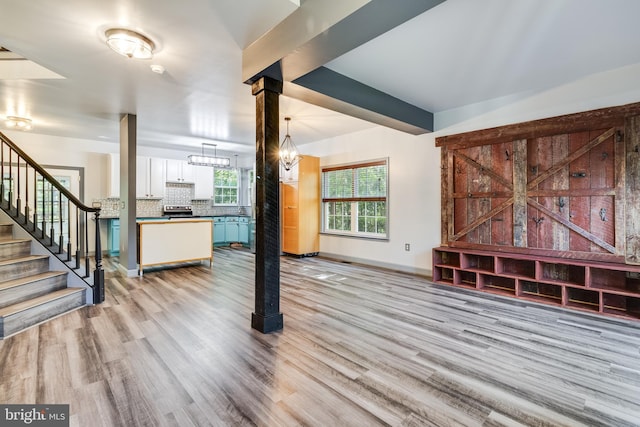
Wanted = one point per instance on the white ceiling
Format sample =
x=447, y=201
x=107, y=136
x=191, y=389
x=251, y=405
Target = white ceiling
x=458, y=53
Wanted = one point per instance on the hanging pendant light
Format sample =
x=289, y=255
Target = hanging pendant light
x=212, y=161
x=289, y=156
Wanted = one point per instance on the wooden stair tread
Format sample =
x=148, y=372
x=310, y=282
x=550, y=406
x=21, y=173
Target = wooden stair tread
x=28, y=279
x=9, y=241
x=21, y=259
x=34, y=302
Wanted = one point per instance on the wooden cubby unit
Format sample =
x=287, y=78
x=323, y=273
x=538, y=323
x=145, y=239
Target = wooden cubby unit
x=597, y=287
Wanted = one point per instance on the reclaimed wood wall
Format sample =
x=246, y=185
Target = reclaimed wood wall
x=567, y=186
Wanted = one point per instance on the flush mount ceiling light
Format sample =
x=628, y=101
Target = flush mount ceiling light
x=289, y=156
x=212, y=161
x=15, y=122
x=130, y=43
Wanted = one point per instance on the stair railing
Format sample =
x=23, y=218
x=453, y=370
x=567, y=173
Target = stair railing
x=51, y=214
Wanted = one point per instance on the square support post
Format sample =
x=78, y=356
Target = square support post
x=267, y=317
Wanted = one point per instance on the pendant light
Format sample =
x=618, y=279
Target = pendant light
x=213, y=161
x=289, y=156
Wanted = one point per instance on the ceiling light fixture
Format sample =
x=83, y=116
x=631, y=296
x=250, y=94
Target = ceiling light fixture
x=289, y=156
x=209, y=160
x=18, y=123
x=130, y=43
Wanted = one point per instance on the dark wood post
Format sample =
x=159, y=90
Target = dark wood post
x=267, y=317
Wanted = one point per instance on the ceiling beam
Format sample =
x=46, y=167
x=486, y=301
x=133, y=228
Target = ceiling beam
x=322, y=30
x=338, y=92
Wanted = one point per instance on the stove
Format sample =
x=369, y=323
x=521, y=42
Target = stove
x=176, y=211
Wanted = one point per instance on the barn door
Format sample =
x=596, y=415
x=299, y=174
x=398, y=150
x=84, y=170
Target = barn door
x=553, y=193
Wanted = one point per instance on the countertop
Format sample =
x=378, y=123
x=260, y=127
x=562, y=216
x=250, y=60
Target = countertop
x=167, y=217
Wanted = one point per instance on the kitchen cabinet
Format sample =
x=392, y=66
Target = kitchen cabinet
x=180, y=171
x=150, y=178
x=114, y=175
x=301, y=209
x=203, y=188
x=231, y=229
x=113, y=237
x=243, y=230
x=219, y=230
x=190, y=240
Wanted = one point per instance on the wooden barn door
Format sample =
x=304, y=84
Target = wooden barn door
x=575, y=192
x=554, y=193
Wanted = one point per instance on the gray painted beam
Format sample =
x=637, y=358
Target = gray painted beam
x=322, y=30
x=329, y=89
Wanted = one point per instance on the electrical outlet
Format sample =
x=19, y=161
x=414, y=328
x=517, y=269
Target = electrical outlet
x=407, y=247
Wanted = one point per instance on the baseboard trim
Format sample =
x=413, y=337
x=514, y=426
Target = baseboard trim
x=386, y=265
x=128, y=273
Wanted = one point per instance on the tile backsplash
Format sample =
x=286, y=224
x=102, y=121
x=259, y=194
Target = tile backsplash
x=175, y=194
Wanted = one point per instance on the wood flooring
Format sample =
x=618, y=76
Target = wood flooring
x=360, y=347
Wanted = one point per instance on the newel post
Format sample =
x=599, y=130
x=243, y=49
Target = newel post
x=98, y=273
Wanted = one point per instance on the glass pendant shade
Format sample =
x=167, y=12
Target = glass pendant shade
x=289, y=156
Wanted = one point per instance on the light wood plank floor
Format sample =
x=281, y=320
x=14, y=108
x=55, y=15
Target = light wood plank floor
x=360, y=347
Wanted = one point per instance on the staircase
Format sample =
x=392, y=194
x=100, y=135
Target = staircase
x=29, y=292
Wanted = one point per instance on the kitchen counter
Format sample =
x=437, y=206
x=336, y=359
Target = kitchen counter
x=175, y=240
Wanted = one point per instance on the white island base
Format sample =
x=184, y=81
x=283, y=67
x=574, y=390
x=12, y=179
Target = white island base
x=174, y=241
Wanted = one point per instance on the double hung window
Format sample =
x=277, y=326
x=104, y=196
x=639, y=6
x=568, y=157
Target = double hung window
x=354, y=199
x=225, y=187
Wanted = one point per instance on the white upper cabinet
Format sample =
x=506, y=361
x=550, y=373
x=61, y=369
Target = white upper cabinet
x=180, y=171
x=114, y=175
x=150, y=177
x=203, y=188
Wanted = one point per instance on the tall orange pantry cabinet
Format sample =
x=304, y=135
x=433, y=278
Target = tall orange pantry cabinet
x=300, y=191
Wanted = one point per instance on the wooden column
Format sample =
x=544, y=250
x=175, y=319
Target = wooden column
x=267, y=317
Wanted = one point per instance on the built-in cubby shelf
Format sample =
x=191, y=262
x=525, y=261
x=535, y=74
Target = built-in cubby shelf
x=606, y=288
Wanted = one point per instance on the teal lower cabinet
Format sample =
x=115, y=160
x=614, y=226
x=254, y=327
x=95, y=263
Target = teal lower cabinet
x=219, y=230
x=243, y=230
x=231, y=230
x=113, y=237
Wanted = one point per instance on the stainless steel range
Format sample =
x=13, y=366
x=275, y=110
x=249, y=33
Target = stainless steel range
x=177, y=211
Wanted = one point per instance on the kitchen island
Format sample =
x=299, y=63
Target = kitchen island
x=174, y=241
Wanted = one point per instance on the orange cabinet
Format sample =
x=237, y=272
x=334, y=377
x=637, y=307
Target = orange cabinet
x=301, y=209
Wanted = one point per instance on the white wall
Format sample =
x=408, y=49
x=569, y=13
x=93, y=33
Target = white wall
x=414, y=196
x=414, y=176
x=414, y=162
x=57, y=151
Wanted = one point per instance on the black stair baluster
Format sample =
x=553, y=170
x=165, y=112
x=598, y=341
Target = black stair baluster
x=18, y=200
x=77, y=238
x=52, y=231
x=86, y=246
x=60, y=224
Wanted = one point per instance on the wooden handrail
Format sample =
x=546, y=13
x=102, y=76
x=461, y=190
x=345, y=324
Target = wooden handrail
x=47, y=175
x=23, y=159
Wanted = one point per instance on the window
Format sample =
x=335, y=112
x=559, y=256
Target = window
x=7, y=188
x=225, y=187
x=354, y=199
x=55, y=218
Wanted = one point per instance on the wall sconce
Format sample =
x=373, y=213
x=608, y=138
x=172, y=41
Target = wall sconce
x=130, y=43
x=289, y=156
x=20, y=123
x=212, y=161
